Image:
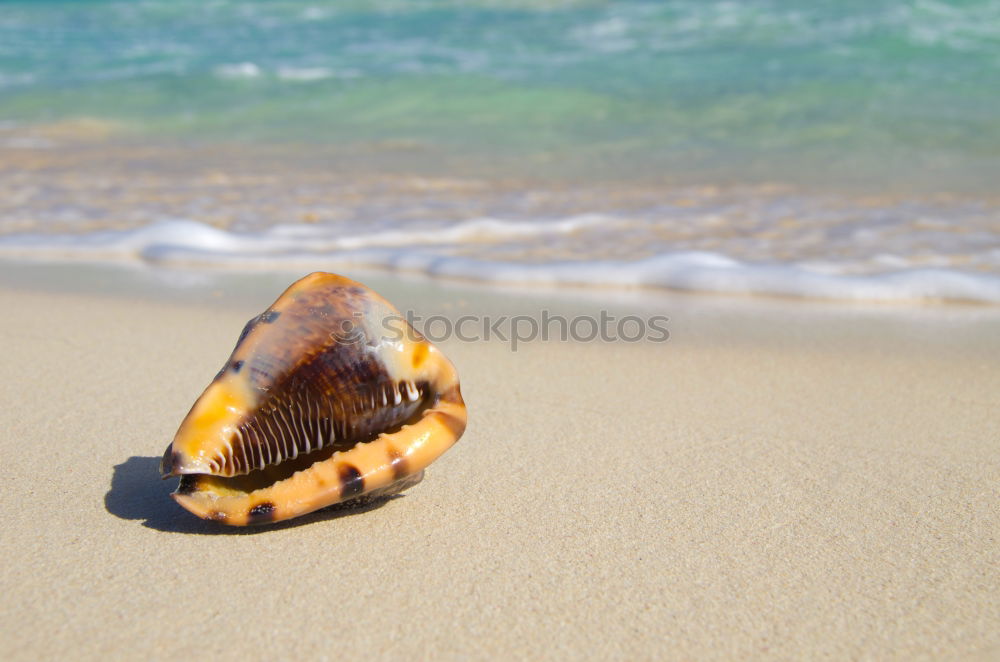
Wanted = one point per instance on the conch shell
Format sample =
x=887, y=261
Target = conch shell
x=330, y=395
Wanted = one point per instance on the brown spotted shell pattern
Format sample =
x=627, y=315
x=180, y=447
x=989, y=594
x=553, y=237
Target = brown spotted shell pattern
x=329, y=396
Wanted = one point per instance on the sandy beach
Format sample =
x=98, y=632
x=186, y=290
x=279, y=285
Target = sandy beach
x=767, y=484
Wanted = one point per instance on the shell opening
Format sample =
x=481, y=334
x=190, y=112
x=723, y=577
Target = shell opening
x=282, y=439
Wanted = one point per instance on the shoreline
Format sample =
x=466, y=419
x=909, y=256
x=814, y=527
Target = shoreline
x=696, y=278
x=261, y=206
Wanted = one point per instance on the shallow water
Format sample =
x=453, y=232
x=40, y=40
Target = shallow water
x=846, y=150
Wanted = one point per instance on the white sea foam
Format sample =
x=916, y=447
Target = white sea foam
x=238, y=70
x=304, y=74
x=450, y=251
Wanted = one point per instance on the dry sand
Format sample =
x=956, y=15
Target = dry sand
x=761, y=486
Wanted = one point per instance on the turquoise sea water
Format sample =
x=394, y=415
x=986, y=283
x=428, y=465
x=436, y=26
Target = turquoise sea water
x=896, y=93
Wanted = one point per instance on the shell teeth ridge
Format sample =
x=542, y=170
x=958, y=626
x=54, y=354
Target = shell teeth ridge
x=296, y=425
x=306, y=433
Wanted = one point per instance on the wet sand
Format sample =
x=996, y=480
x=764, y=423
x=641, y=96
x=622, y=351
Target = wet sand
x=765, y=484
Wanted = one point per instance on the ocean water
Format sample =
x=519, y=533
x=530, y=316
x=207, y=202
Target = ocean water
x=840, y=150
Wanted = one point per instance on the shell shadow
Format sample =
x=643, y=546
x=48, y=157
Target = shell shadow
x=137, y=493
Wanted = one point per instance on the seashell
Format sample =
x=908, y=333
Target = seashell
x=329, y=395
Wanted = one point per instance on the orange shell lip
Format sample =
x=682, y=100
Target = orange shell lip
x=299, y=420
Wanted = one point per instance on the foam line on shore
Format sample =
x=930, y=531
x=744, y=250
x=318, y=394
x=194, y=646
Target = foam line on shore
x=438, y=252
